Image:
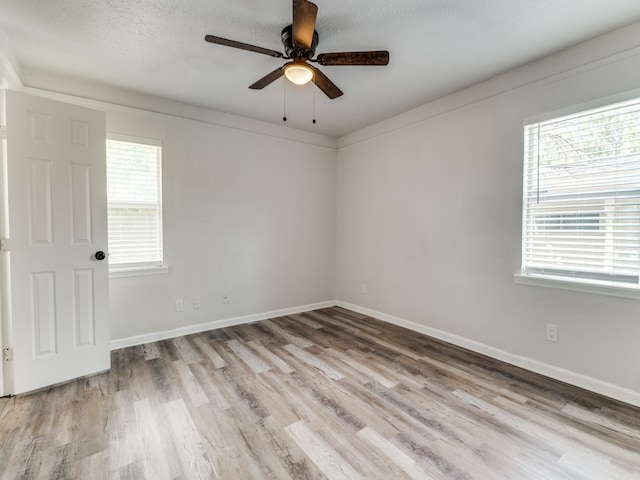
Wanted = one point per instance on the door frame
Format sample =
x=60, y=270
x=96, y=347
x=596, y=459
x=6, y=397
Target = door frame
x=9, y=79
x=6, y=370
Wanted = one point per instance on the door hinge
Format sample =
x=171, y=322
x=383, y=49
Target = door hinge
x=3, y=132
x=4, y=244
x=7, y=354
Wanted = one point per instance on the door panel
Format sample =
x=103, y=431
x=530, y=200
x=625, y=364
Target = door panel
x=57, y=221
x=43, y=294
x=83, y=317
x=40, y=213
x=81, y=204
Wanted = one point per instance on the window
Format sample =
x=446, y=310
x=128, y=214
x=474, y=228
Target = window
x=134, y=203
x=581, y=209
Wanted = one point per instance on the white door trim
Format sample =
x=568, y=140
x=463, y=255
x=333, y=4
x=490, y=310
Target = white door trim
x=6, y=386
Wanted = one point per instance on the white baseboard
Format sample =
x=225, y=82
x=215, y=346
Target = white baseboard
x=598, y=386
x=203, y=327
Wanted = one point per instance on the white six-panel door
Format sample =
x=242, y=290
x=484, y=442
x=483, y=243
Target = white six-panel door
x=57, y=222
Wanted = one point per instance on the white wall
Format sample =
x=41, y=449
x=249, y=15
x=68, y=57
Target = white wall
x=245, y=214
x=429, y=218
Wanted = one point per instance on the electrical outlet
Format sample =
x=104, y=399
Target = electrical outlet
x=196, y=303
x=552, y=332
x=179, y=304
x=226, y=298
x=363, y=288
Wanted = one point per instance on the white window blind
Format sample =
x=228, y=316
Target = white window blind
x=134, y=198
x=581, y=215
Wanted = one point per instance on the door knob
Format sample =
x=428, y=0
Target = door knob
x=100, y=255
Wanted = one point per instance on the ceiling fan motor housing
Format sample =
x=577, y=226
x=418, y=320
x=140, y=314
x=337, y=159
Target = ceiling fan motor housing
x=293, y=51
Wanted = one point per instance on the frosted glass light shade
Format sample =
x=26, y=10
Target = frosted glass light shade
x=298, y=72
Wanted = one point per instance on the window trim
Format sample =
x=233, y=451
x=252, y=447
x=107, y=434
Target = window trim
x=592, y=286
x=577, y=285
x=133, y=270
x=139, y=271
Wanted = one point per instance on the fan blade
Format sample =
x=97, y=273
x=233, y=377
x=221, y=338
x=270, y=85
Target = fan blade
x=267, y=79
x=380, y=57
x=327, y=86
x=242, y=46
x=304, y=23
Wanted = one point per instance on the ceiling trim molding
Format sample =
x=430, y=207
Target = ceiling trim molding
x=104, y=98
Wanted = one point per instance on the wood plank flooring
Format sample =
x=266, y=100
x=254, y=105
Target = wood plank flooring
x=328, y=394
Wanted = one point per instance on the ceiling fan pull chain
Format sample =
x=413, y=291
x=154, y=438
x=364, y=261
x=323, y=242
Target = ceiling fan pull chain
x=314, y=105
x=284, y=101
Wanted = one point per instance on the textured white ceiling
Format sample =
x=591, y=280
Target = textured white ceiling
x=157, y=47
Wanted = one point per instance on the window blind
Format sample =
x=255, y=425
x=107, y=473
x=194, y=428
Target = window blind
x=134, y=204
x=581, y=209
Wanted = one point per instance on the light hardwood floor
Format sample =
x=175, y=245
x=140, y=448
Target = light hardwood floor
x=326, y=394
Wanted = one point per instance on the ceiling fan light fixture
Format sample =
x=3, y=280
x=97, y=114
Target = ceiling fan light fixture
x=298, y=73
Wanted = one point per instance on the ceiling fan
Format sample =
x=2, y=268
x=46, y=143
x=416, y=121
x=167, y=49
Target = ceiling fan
x=300, y=41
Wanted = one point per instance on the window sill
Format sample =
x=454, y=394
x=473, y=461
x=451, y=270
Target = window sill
x=576, y=285
x=138, y=271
